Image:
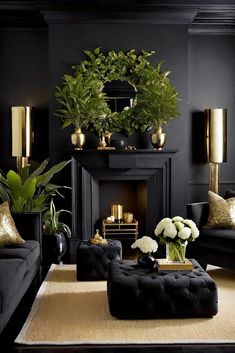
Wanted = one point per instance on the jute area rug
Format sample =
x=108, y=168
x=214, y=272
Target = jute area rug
x=68, y=312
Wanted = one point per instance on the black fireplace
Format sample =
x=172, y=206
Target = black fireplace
x=140, y=180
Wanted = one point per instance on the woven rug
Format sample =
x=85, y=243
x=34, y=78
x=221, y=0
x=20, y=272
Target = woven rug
x=68, y=312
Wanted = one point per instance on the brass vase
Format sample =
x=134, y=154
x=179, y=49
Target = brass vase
x=78, y=139
x=158, y=139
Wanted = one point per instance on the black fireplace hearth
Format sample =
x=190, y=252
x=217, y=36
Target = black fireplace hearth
x=141, y=180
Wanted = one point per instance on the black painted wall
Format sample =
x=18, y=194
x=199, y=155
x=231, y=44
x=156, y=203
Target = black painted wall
x=203, y=70
x=211, y=85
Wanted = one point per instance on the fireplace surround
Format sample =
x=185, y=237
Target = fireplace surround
x=142, y=180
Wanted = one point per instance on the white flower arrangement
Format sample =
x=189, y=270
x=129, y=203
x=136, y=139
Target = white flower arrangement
x=145, y=244
x=176, y=229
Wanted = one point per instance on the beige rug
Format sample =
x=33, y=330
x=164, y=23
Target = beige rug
x=70, y=312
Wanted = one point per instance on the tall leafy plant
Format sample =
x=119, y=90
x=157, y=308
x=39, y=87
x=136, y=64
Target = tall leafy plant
x=81, y=100
x=51, y=223
x=27, y=191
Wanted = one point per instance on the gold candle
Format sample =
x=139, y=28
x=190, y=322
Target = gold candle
x=116, y=211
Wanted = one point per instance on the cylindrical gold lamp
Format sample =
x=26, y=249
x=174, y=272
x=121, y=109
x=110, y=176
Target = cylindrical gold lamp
x=21, y=135
x=216, y=143
x=116, y=211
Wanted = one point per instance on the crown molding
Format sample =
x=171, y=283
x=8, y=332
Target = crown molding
x=201, y=18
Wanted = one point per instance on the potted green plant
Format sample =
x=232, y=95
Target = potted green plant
x=81, y=101
x=30, y=192
x=54, y=232
x=157, y=103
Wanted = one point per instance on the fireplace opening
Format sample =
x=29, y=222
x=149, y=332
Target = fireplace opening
x=131, y=194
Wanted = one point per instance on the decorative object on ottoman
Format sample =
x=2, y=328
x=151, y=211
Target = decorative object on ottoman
x=93, y=259
x=97, y=239
x=147, y=246
x=137, y=293
x=176, y=233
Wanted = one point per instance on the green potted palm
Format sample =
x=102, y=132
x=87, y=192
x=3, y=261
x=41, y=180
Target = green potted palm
x=54, y=232
x=81, y=101
x=28, y=191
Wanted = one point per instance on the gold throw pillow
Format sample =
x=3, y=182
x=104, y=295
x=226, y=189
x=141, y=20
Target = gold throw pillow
x=8, y=232
x=221, y=212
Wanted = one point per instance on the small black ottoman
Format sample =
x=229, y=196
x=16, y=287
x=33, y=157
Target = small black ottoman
x=93, y=259
x=137, y=293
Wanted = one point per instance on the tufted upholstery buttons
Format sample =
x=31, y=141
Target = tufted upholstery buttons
x=93, y=259
x=137, y=293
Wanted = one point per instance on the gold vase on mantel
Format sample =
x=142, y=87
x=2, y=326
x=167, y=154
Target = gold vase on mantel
x=158, y=139
x=78, y=139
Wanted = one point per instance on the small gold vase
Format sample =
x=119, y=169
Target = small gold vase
x=78, y=139
x=158, y=139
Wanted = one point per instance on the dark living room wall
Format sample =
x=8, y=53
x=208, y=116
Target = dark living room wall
x=24, y=81
x=211, y=85
x=202, y=67
x=67, y=42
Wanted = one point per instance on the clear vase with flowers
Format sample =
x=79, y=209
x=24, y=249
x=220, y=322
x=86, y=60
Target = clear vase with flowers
x=176, y=232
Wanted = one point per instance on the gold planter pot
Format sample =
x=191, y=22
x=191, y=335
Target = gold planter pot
x=78, y=139
x=158, y=139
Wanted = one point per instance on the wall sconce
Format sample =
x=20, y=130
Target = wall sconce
x=216, y=143
x=21, y=135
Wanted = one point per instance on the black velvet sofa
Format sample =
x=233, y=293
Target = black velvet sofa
x=213, y=246
x=19, y=264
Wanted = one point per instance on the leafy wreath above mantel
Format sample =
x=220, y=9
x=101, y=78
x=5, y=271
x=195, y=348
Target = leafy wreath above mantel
x=84, y=104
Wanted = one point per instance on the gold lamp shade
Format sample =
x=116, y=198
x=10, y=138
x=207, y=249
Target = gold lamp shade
x=216, y=135
x=216, y=143
x=21, y=134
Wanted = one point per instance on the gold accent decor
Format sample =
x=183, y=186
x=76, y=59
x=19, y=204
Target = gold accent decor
x=78, y=139
x=183, y=266
x=8, y=232
x=105, y=141
x=116, y=211
x=221, y=212
x=216, y=143
x=21, y=135
x=122, y=231
x=98, y=239
x=158, y=139
x=128, y=217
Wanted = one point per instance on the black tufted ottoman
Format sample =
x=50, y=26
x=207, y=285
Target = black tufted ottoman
x=93, y=259
x=137, y=293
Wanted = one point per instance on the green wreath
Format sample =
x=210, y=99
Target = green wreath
x=83, y=104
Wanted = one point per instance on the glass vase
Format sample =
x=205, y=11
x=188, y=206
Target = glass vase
x=175, y=252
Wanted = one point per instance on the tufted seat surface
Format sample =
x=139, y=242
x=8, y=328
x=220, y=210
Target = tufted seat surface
x=93, y=259
x=137, y=293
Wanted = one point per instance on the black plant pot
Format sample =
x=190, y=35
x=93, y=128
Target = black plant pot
x=54, y=247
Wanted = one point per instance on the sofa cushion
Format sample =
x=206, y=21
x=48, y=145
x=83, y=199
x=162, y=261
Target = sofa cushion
x=28, y=251
x=8, y=232
x=221, y=212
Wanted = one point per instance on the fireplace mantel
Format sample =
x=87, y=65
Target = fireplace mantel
x=92, y=168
